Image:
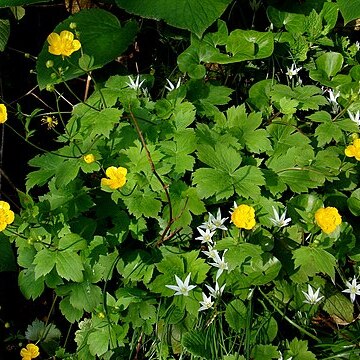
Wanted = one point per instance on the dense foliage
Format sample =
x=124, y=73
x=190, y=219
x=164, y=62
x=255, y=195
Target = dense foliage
x=203, y=210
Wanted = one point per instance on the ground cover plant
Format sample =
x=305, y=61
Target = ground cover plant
x=198, y=203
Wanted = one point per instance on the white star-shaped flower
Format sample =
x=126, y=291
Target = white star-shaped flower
x=211, y=253
x=279, y=221
x=355, y=117
x=353, y=289
x=206, y=303
x=171, y=86
x=136, y=85
x=206, y=236
x=293, y=71
x=220, y=263
x=333, y=101
x=182, y=288
x=218, y=221
x=311, y=297
x=217, y=292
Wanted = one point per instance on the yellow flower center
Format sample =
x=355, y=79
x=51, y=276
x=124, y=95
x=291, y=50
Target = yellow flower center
x=328, y=219
x=116, y=177
x=3, y=113
x=63, y=44
x=244, y=217
x=89, y=158
x=353, y=150
x=6, y=215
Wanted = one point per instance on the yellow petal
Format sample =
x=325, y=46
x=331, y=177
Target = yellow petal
x=53, y=39
x=111, y=172
x=66, y=36
x=4, y=205
x=76, y=45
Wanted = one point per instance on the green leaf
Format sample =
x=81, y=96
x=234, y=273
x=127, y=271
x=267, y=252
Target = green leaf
x=330, y=62
x=299, y=350
x=31, y=288
x=85, y=296
x=185, y=14
x=69, y=265
x=7, y=258
x=350, y=10
x=101, y=37
x=44, y=262
x=72, y=242
x=247, y=181
x=314, y=260
x=339, y=305
x=101, y=122
x=195, y=341
x=143, y=204
x=353, y=202
x=67, y=172
x=71, y=313
x=98, y=342
x=4, y=33
x=235, y=315
x=265, y=352
x=327, y=132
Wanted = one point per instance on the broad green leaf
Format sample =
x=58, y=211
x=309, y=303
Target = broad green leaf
x=247, y=181
x=71, y=313
x=98, y=341
x=197, y=343
x=69, y=265
x=44, y=262
x=339, y=305
x=330, y=63
x=235, y=315
x=4, y=33
x=299, y=349
x=72, y=242
x=350, y=10
x=327, y=132
x=315, y=260
x=143, y=204
x=265, y=352
x=101, y=37
x=354, y=202
x=85, y=296
x=31, y=288
x=67, y=172
x=186, y=14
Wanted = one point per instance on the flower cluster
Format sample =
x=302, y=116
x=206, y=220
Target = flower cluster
x=6, y=215
x=328, y=219
x=3, y=113
x=116, y=177
x=63, y=44
x=31, y=351
x=353, y=150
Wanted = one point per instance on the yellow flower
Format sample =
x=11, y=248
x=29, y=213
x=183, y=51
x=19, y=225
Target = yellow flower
x=117, y=177
x=243, y=217
x=3, y=113
x=30, y=352
x=354, y=149
x=63, y=44
x=328, y=219
x=50, y=121
x=89, y=158
x=6, y=215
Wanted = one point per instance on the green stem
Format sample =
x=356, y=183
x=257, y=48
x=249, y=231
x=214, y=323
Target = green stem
x=288, y=319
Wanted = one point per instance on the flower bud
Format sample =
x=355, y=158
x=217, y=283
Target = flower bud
x=49, y=64
x=72, y=25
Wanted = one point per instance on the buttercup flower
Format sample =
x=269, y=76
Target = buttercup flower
x=63, y=44
x=182, y=288
x=353, y=150
x=312, y=297
x=3, y=113
x=6, y=215
x=30, y=352
x=89, y=158
x=116, y=177
x=328, y=219
x=243, y=216
x=353, y=289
